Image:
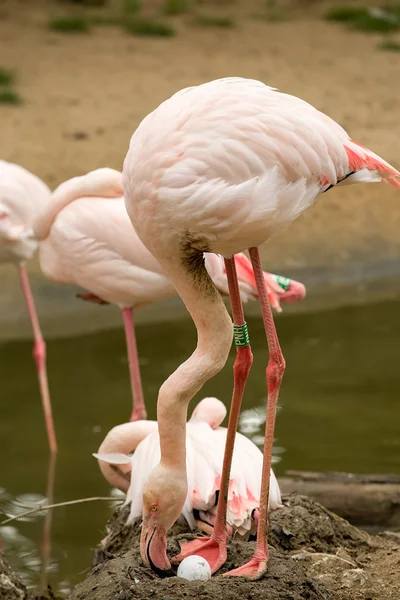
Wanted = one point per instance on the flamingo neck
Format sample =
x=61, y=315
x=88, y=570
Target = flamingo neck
x=214, y=340
x=123, y=438
x=101, y=182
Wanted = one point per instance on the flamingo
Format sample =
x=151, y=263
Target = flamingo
x=205, y=442
x=86, y=239
x=22, y=195
x=222, y=167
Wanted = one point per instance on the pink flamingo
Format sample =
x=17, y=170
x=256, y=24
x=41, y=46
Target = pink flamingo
x=205, y=443
x=87, y=240
x=222, y=167
x=22, y=195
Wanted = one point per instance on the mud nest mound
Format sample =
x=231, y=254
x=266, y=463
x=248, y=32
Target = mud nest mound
x=314, y=555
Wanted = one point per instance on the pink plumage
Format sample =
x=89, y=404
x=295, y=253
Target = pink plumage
x=223, y=167
x=234, y=161
x=22, y=196
x=205, y=442
x=87, y=239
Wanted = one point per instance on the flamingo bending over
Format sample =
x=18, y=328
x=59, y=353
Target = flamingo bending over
x=22, y=195
x=221, y=167
x=205, y=443
x=87, y=240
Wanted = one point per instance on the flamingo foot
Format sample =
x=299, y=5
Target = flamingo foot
x=213, y=551
x=254, y=569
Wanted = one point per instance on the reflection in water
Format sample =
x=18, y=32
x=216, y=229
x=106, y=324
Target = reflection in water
x=17, y=545
x=23, y=553
x=45, y=543
x=252, y=424
x=30, y=560
x=339, y=410
x=22, y=503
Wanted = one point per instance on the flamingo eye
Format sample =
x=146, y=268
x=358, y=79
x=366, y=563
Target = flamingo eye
x=154, y=508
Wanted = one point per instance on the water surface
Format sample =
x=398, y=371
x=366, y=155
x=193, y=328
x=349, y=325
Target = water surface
x=339, y=410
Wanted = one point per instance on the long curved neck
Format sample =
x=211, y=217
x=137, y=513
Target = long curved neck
x=101, y=182
x=214, y=340
x=123, y=438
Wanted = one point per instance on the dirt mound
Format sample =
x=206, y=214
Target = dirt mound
x=314, y=555
x=11, y=587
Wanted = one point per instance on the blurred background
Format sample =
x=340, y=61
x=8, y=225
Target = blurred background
x=76, y=78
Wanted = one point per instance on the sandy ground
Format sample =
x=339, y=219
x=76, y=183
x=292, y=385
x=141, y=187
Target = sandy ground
x=84, y=95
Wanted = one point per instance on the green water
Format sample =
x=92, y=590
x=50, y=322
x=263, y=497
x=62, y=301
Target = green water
x=339, y=410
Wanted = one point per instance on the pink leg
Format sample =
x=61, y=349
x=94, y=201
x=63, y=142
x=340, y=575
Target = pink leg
x=208, y=527
x=213, y=549
x=210, y=520
x=256, y=567
x=139, y=409
x=39, y=352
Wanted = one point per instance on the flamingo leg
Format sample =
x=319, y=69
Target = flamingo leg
x=139, y=409
x=208, y=527
x=39, y=353
x=209, y=519
x=256, y=567
x=213, y=548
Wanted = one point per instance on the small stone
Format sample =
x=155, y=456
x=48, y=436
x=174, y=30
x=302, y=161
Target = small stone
x=353, y=576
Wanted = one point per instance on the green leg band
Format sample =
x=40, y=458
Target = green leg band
x=241, y=335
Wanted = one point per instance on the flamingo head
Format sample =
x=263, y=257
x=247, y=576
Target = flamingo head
x=163, y=498
x=211, y=410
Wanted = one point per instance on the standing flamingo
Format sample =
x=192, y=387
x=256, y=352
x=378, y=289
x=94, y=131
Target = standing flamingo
x=87, y=240
x=205, y=443
x=22, y=195
x=222, y=167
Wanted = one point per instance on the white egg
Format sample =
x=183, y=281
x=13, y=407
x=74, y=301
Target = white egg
x=194, y=567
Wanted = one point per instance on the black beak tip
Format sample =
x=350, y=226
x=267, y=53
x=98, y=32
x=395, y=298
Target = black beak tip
x=162, y=573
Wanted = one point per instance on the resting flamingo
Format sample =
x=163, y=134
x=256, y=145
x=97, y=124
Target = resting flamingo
x=205, y=442
x=222, y=167
x=87, y=240
x=22, y=195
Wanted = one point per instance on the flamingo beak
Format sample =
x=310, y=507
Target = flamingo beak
x=153, y=548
